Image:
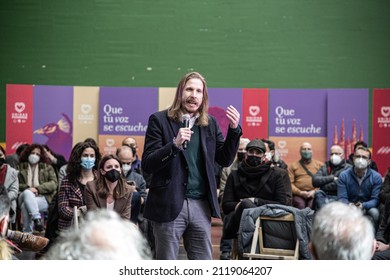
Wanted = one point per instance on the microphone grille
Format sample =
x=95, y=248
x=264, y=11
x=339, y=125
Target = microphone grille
x=186, y=117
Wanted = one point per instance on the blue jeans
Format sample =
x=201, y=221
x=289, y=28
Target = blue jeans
x=194, y=225
x=321, y=198
x=31, y=207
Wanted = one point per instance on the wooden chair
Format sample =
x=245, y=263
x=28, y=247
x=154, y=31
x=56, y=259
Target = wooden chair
x=281, y=244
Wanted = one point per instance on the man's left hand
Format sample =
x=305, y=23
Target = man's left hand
x=233, y=116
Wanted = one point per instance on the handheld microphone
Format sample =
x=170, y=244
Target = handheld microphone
x=186, y=123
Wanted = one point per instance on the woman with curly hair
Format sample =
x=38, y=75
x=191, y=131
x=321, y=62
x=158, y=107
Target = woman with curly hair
x=81, y=168
x=110, y=189
x=37, y=186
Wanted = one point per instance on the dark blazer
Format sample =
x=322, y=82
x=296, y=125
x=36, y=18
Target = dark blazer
x=169, y=167
x=93, y=201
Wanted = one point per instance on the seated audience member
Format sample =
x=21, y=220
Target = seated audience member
x=385, y=191
x=382, y=248
x=37, y=184
x=9, y=179
x=272, y=155
x=125, y=154
x=280, y=166
x=5, y=206
x=13, y=159
x=7, y=237
x=326, y=178
x=136, y=163
x=226, y=244
x=301, y=173
x=102, y=236
x=227, y=170
x=62, y=172
x=357, y=145
x=341, y=232
x=253, y=184
x=360, y=185
x=110, y=189
x=81, y=169
x=56, y=160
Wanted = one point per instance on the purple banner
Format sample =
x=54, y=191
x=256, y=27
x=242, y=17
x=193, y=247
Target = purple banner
x=219, y=100
x=53, y=113
x=125, y=111
x=297, y=112
x=347, y=117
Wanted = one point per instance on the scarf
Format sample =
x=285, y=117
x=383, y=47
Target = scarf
x=251, y=172
x=33, y=176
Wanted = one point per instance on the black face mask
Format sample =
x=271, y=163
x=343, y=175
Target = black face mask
x=240, y=156
x=2, y=161
x=113, y=175
x=253, y=161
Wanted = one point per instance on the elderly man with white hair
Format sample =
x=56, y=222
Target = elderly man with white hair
x=341, y=232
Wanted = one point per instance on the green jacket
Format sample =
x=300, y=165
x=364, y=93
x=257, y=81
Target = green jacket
x=47, y=179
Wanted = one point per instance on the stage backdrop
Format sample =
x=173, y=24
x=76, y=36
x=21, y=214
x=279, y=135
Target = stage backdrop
x=297, y=116
x=381, y=129
x=61, y=116
x=347, y=111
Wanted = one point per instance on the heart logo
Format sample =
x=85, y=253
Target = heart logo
x=110, y=142
x=282, y=144
x=254, y=110
x=20, y=106
x=86, y=108
x=385, y=110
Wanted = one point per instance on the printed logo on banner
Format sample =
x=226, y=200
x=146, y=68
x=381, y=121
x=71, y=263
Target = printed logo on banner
x=282, y=148
x=254, y=119
x=110, y=147
x=19, y=116
x=384, y=120
x=86, y=117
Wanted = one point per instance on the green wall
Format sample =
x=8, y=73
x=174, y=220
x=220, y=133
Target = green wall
x=249, y=43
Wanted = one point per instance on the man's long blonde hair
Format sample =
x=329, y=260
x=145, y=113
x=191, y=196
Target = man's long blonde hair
x=175, y=111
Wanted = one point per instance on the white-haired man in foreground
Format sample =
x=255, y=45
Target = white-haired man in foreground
x=341, y=232
x=102, y=235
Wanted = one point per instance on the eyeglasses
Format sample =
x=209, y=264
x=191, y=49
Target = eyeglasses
x=339, y=154
x=363, y=157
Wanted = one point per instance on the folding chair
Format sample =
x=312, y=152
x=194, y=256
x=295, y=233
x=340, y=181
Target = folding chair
x=280, y=244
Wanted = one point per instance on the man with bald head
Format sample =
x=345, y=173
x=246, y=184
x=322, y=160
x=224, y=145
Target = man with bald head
x=126, y=156
x=301, y=173
x=326, y=178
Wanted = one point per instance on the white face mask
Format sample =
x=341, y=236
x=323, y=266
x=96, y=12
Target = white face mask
x=126, y=168
x=335, y=159
x=33, y=159
x=268, y=156
x=360, y=163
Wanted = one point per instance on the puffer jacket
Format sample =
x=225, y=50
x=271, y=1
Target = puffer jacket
x=303, y=220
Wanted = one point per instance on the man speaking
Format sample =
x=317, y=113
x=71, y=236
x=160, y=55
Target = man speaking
x=183, y=191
